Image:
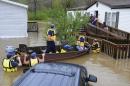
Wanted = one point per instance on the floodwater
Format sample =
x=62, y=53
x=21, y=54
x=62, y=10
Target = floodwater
x=109, y=72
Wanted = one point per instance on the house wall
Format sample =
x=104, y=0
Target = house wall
x=124, y=19
x=13, y=21
x=101, y=11
x=124, y=15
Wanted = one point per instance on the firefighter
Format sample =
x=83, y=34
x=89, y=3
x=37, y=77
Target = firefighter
x=34, y=59
x=11, y=63
x=81, y=40
x=95, y=46
x=51, y=38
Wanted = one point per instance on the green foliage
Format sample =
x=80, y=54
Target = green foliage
x=68, y=3
x=67, y=24
x=40, y=15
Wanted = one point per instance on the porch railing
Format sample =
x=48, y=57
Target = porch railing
x=117, y=31
x=117, y=51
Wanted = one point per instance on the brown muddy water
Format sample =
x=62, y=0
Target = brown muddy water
x=109, y=72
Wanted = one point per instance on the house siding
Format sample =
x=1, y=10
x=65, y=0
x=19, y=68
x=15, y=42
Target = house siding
x=13, y=21
x=124, y=19
x=101, y=11
x=124, y=15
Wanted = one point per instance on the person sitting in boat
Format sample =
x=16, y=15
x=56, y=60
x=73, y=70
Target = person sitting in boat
x=81, y=40
x=33, y=59
x=78, y=47
x=11, y=63
x=51, y=37
x=80, y=43
x=95, y=46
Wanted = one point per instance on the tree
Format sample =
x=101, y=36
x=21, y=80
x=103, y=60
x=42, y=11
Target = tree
x=68, y=3
x=66, y=24
x=35, y=7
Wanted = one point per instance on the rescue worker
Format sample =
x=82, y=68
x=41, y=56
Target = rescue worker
x=33, y=59
x=51, y=38
x=81, y=40
x=11, y=63
x=95, y=46
x=80, y=43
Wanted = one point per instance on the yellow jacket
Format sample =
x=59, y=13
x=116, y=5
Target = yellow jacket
x=51, y=36
x=33, y=62
x=7, y=66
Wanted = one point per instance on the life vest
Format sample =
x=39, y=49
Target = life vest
x=7, y=67
x=82, y=40
x=33, y=62
x=52, y=33
x=95, y=45
x=97, y=50
x=63, y=51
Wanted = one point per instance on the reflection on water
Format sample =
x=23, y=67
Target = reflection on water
x=109, y=72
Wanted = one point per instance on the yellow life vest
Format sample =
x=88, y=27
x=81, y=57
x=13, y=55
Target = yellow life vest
x=97, y=50
x=95, y=45
x=7, y=67
x=63, y=51
x=53, y=35
x=33, y=62
x=81, y=42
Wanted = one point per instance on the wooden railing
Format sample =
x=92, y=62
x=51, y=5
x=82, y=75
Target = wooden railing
x=32, y=26
x=119, y=32
x=117, y=51
x=99, y=31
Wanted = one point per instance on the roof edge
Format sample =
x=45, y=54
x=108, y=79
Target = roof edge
x=115, y=7
x=91, y=5
x=14, y=3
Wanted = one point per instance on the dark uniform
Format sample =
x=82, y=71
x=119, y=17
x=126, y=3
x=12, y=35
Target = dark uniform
x=51, y=40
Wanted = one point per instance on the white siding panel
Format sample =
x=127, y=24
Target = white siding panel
x=124, y=19
x=13, y=21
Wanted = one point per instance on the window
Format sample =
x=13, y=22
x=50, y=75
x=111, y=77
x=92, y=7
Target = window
x=112, y=18
x=108, y=19
x=87, y=13
x=97, y=4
